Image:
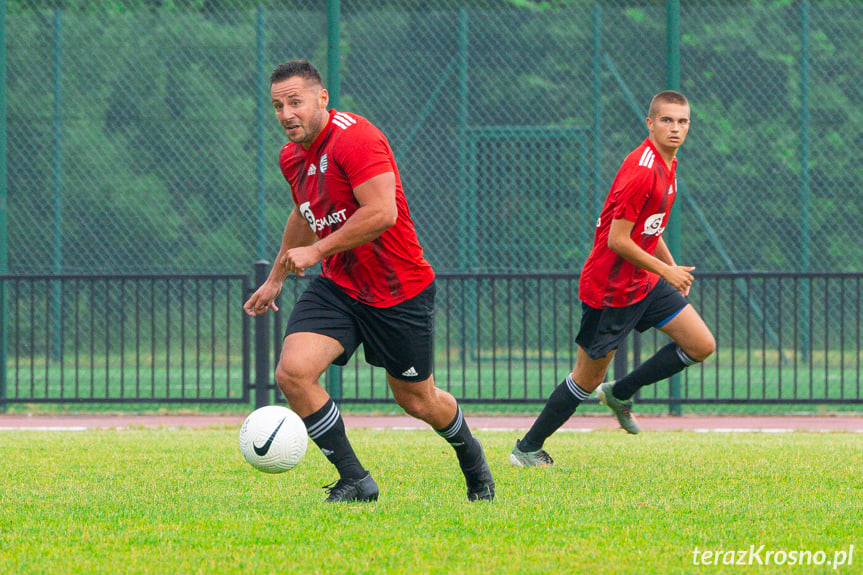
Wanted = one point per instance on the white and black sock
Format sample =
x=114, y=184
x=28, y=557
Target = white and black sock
x=327, y=429
x=661, y=365
x=561, y=404
x=459, y=436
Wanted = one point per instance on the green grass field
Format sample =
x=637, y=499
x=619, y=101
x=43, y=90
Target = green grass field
x=184, y=501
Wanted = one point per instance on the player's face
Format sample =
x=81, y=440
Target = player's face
x=669, y=127
x=301, y=108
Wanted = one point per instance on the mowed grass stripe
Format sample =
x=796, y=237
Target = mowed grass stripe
x=185, y=501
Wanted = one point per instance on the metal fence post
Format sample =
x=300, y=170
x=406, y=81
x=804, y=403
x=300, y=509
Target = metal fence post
x=261, y=106
x=334, y=80
x=620, y=360
x=3, y=209
x=594, y=205
x=672, y=34
x=262, y=344
x=804, y=193
x=334, y=53
x=57, y=225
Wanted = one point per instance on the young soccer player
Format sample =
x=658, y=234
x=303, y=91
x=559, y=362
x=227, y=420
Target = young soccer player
x=629, y=281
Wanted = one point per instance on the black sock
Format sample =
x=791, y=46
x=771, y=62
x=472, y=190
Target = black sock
x=560, y=406
x=662, y=365
x=327, y=429
x=458, y=435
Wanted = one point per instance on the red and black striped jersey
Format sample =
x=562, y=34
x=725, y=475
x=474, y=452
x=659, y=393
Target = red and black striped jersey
x=642, y=192
x=349, y=151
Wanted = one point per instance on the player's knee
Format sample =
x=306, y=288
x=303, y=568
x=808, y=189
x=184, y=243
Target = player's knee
x=291, y=377
x=702, y=349
x=414, y=405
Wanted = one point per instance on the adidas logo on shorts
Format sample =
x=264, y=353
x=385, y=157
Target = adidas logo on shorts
x=411, y=372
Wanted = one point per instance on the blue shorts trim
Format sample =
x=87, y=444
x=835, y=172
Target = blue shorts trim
x=668, y=319
x=603, y=330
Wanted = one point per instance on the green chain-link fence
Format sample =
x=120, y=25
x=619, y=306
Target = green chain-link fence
x=140, y=137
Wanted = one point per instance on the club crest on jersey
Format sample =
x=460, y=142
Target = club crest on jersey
x=307, y=213
x=324, y=164
x=318, y=224
x=653, y=226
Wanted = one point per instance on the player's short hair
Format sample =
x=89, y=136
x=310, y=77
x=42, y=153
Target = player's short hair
x=300, y=68
x=666, y=97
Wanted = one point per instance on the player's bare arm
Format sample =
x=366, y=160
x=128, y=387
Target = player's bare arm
x=377, y=213
x=297, y=233
x=664, y=255
x=620, y=242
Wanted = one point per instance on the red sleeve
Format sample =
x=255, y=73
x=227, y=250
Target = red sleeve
x=364, y=153
x=288, y=165
x=631, y=191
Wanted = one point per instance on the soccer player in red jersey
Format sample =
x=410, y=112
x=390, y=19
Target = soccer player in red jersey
x=630, y=281
x=376, y=288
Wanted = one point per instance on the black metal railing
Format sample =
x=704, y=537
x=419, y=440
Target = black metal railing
x=122, y=339
x=500, y=338
x=782, y=338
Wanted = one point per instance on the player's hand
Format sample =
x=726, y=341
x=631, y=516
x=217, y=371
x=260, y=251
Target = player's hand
x=298, y=260
x=680, y=278
x=263, y=300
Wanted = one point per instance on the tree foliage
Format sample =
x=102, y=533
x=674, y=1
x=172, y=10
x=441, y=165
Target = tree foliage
x=140, y=138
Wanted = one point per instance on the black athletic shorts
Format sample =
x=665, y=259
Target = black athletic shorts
x=602, y=330
x=398, y=338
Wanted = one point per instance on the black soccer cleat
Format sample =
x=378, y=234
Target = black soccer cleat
x=365, y=489
x=480, y=484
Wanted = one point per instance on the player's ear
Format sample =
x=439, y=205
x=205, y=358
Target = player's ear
x=324, y=98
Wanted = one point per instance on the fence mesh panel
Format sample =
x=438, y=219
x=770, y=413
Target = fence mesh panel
x=141, y=140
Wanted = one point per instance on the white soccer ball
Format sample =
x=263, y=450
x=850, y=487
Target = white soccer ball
x=273, y=439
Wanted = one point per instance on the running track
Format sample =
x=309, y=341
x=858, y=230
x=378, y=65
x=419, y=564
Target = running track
x=586, y=423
